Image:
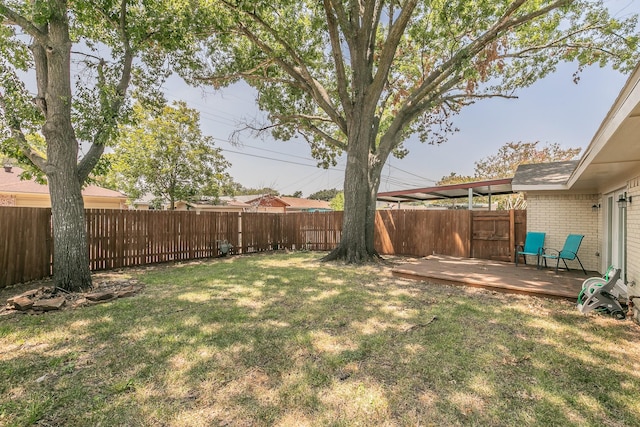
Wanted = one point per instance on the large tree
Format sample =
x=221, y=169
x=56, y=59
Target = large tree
x=361, y=76
x=65, y=70
x=165, y=154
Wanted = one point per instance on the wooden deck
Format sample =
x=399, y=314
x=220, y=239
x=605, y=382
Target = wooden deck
x=496, y=275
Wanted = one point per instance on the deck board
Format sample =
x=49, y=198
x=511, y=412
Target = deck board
x=500, y=276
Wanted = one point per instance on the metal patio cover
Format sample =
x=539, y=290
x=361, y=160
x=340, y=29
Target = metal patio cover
x=454, y=191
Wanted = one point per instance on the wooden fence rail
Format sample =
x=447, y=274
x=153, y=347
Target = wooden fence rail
x=128, y=238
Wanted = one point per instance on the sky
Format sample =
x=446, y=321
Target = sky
x=553, y=110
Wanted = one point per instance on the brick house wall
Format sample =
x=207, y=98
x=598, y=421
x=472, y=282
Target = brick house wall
x=559, y=215
x=633, y=243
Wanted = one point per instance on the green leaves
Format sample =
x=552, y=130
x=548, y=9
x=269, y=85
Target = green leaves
x=450, y=54
x=165, y=154
x=120, y=47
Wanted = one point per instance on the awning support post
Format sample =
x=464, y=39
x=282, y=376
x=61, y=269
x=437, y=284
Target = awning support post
x=489, y=187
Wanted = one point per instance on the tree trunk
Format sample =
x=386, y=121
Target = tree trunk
x=71, y=255
x=362, y=177
x=374, y=184
x=71, y=251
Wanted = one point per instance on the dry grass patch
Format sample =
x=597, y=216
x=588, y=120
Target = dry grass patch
x=287, y=341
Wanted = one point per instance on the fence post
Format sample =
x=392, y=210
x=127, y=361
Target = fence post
x=470, y=253
x=512, y=234
x=240, y=233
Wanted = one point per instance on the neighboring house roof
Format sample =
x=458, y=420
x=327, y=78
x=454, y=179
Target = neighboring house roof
x=298, y=203
x=289, y=203
x=145, y=199
x=221, y=201
x=246, y=198
x=544, y=174
x=233, y=201
x=210, y=206
x=10, y=182
x=612, y=156
x=267, y=200
x=201, y=204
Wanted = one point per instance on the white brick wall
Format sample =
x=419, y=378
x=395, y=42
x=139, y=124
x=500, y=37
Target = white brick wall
x=633, y=242
x=559, y=215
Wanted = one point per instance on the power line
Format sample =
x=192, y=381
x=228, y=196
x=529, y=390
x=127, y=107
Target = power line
x=213, y=117
x=272, y=151
x=305, y=181
x=277, y=160
x=389, y=180
x=412, y=174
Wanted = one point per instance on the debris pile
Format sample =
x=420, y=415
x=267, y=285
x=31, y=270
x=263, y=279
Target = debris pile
x=50, y=298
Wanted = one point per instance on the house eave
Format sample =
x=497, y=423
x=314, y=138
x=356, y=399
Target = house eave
x=606, y=158
x=540, y=187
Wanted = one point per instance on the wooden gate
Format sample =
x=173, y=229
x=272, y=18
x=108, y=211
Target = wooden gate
x=495, y=234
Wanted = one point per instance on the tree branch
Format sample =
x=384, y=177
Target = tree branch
x=28, y=26
x=373, y=12
x=336, y=52
x=291, y=117
x=471, y=97
x=389, y=48
x=310, y=85
x=42, y=75
x=299, y=71
x=125, y=78
x=17, y=134
x=89, y=161
x=445, y=70
x=219, y=81
x=390, y=140
x=529, y=17
x=523, y=53
x=329, y=140
x=343, y=19
x=88, y=55
x=110, y=106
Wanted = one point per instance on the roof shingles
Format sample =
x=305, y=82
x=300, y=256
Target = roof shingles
x=10, y=182
x=556, y=173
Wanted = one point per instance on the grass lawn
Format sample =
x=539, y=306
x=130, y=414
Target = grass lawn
x=285, y=340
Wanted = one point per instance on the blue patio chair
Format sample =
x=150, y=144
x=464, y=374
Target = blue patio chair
x=533, y=245
x=568, y=252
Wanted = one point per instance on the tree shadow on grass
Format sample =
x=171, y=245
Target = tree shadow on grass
x=270, y=340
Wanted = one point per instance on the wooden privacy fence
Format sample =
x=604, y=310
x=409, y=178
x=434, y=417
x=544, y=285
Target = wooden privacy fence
x=319, y=231
x=420, y=233
x=25, y=244
x=463, y=233
x=128, y=238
